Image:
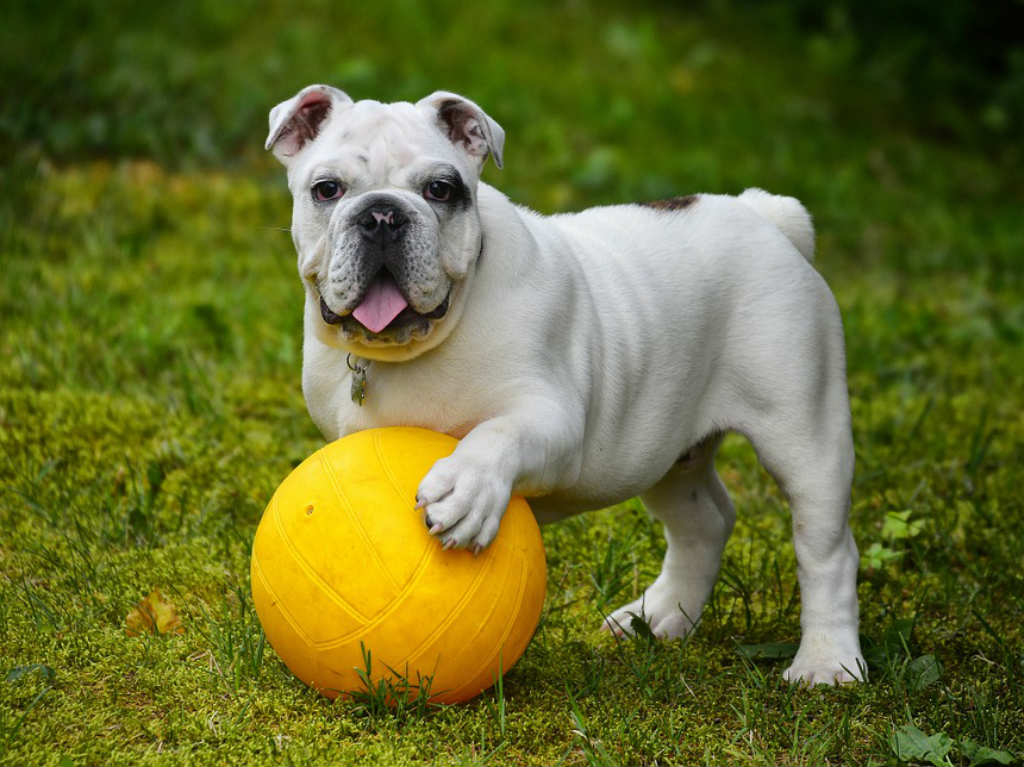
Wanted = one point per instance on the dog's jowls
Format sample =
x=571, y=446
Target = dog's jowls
x=582, y=359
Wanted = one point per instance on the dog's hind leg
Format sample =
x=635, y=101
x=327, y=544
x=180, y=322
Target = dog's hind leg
x=809, y=451
x=698, y=517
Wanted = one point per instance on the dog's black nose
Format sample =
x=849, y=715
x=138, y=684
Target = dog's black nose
x=381, y=223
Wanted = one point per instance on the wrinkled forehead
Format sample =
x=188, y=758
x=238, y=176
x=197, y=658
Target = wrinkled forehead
x=377, y=140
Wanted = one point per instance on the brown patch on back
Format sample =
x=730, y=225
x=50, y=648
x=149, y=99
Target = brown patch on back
x=672, y=203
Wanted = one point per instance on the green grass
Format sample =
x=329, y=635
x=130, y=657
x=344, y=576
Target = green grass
x=149, y=391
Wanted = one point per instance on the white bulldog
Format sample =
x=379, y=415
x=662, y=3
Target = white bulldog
x=582, y=359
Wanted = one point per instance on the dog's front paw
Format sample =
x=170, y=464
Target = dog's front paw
x=463, y=502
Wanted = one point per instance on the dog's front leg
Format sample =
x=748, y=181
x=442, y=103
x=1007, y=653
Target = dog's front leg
x=531, y=450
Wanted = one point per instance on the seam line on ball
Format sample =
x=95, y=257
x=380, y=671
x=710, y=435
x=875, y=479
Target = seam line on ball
x=380, y=617
x=378, y=438
x=311, y=573
x=454, y=613
x=513, y=621
x=354, y=519
x=275, y=600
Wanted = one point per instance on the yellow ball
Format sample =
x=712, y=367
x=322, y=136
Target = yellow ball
x=342, y=558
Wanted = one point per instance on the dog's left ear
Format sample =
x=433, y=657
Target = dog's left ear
x=297, y=121
x=466, y=125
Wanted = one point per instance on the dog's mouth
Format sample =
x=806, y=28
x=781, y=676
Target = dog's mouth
x=384, y=315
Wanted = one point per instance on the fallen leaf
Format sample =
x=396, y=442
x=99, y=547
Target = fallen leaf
x=154, y=615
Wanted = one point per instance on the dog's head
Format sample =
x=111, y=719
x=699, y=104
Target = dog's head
x=384, y=217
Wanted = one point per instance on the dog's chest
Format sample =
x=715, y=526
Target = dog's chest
x=398, y=394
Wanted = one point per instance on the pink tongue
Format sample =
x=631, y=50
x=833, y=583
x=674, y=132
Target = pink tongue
x=381, y=304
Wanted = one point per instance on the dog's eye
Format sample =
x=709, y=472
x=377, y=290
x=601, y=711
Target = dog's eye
x=438, y=191
x=327, y=190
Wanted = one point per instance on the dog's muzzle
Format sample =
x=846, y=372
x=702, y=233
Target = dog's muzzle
x=387, y=244
x=405, y=326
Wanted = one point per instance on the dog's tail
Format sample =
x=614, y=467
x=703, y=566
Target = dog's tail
x=786, y=213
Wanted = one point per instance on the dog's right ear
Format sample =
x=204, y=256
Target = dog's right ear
x=297, y=121
x=466, y=125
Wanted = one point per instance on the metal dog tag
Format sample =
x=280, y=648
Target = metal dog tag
x=358, y=380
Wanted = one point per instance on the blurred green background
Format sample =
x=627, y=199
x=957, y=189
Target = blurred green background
x=150, y=337
x=186, y=82
x=601, y=103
